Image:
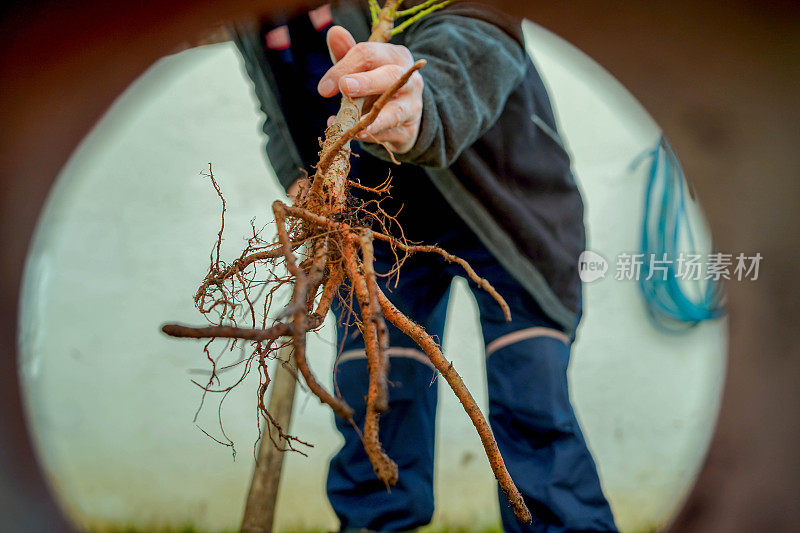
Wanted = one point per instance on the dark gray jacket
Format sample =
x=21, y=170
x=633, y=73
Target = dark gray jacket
x=488, y=141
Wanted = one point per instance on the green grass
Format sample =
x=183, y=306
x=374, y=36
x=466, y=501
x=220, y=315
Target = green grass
x=164, y=529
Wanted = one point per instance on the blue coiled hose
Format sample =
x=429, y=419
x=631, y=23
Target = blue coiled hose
x=665, y=221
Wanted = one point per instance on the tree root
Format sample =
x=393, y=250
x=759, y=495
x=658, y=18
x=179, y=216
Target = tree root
x=377, y=395
x=335, y=241
x=418, y=334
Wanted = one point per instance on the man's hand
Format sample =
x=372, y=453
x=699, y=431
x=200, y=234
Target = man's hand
x=369, y=69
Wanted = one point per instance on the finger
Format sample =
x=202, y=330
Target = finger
x=331, y=119
x=376, y=81
x=360, y=58
x=340, y=41
x=393, y=136
x=395, y=113
x=398, y=139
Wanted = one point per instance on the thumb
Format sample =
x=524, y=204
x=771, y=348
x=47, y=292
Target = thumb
x=339, y=42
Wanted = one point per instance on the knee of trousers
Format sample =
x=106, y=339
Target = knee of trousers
x=410, y=377
x=528, y=390
x=407, y=429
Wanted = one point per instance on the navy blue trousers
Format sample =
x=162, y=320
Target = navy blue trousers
x=529, y=408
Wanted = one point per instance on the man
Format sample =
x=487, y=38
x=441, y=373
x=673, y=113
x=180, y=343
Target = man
x=485, y=176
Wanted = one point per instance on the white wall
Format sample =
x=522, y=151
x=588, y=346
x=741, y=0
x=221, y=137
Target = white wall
x=124, y=241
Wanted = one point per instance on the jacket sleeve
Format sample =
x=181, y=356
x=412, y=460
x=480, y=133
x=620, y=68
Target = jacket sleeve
x=473, y=66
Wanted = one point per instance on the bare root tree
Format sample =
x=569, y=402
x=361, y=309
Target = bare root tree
x=324, y=251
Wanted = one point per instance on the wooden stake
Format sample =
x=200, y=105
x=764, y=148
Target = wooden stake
x=259, y=512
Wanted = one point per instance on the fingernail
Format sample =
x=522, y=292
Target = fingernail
x=325, y=87
x=351, y=84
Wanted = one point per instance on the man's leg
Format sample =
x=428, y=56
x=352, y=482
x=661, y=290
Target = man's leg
x=540, y=439
x=359, y=499
x=532, y=418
